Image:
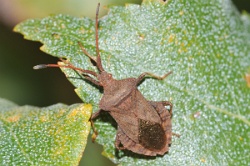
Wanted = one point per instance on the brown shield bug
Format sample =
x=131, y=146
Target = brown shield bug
x=144, y=127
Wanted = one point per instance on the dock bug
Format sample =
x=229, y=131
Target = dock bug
x=144, y=127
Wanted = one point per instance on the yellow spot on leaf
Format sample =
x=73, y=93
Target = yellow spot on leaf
x=171, y=38
x=179, y=51
x=141, y=36
x=82, y=31
x=56, y=36
x=44, y=118
x=63, y=26
x=81, y=111
x=87, y=107
x=14, y=118
x=181, y=12
x=203, y=160
x=247, y=78
x=170, y=99
x=190, y=57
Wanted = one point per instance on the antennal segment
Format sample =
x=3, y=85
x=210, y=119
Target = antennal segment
x=96, y=29
x=98, y=59
x=42, y=66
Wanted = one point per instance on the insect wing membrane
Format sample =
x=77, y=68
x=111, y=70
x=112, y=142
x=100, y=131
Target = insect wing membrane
x=151, y=135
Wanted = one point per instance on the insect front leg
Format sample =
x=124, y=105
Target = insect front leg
x=86, y=52
x=85, y=73
x=92, y=80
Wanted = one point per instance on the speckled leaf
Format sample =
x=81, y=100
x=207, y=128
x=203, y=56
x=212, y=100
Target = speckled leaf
x=206, y=45
x=54, y=135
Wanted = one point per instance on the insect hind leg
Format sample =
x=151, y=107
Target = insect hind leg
x=160, y=108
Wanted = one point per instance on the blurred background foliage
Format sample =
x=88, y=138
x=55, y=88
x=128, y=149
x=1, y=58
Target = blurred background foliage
x=23, y=85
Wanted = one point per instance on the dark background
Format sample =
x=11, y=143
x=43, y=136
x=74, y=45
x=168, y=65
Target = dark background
x=23, y=85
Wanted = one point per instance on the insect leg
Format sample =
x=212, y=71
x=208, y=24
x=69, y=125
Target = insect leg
x=168, y=103
x=158, y=106
x=82, y=72
x=140, y=78
x=177, y=135
x=117, y=140
x=92, y=80
x=93, y=116
x=86, y=53
x=97, y=60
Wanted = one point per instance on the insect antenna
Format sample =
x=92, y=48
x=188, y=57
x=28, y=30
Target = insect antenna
x=81, y=71
x=98, y=59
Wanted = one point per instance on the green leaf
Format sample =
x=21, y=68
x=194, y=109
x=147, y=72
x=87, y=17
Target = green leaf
x=206, y=45
x=54, y=135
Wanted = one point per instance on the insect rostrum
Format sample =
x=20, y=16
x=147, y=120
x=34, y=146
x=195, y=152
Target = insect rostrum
x=143, y=126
